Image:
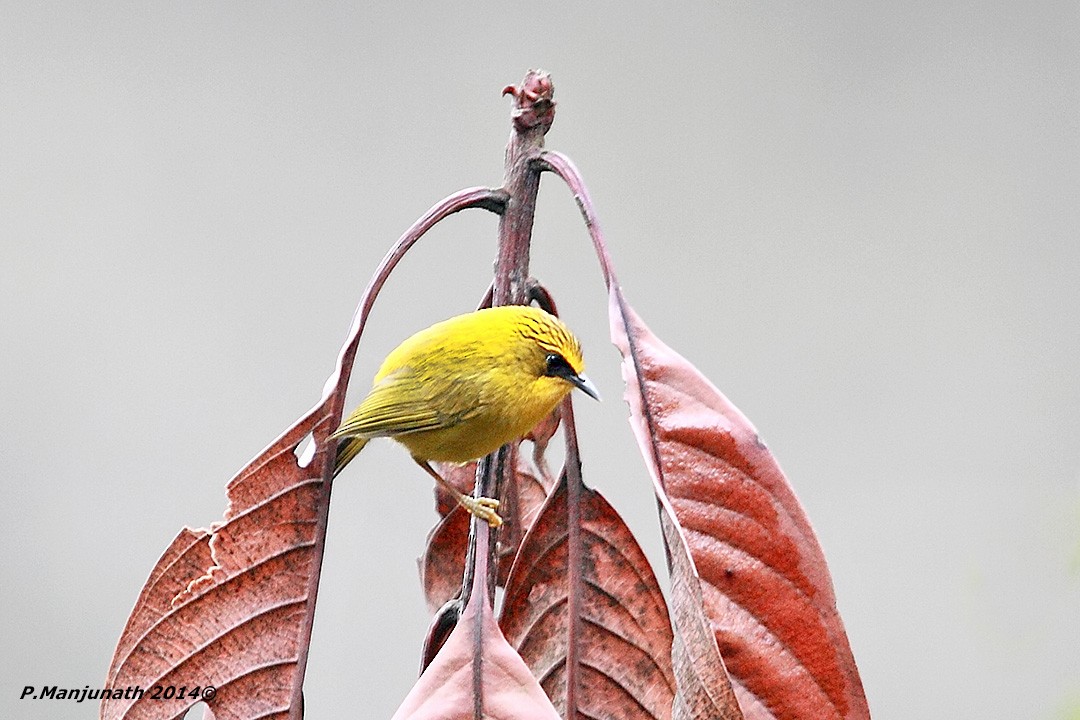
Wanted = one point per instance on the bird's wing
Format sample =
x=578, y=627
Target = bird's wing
x=374, y=419
x=391, y=410
x=347, y=449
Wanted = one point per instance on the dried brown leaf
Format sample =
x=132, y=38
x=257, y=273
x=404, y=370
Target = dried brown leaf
x=744, y=558
x=226, y=608
x=476, y=673
x=583, y=608
x=443, y=560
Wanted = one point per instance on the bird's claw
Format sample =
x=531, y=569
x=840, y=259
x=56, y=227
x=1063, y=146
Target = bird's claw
x=483, y=508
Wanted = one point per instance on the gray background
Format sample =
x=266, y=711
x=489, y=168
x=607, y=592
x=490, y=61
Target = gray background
x=857, y=219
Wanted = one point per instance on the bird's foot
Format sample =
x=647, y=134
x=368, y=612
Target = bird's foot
x=483, y=508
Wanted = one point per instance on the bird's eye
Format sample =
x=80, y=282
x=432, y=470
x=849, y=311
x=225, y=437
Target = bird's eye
x=555, y=365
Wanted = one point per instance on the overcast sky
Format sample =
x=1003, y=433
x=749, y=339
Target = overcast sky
x=858, y=219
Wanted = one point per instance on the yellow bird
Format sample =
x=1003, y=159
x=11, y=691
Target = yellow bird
x=464, y=387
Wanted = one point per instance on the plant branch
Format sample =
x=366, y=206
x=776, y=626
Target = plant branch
x=572, y=470
x=532, y=115
x=556, y=162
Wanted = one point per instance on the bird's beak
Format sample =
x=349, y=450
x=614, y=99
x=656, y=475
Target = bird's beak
x=585, y=385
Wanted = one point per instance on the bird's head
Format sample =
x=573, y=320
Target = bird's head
x=556, y=365
x=555, y=351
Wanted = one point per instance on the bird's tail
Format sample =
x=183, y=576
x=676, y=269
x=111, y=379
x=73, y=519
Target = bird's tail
x=347, y=449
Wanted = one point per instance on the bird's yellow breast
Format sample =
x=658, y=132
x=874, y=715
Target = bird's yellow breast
x=482, y=433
